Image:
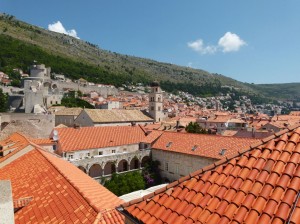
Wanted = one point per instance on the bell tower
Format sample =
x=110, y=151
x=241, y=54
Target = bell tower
x=156, y=102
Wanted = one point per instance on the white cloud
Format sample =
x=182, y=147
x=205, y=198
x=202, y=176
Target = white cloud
x=59, y=28
x=200, y=47
x=231, y=42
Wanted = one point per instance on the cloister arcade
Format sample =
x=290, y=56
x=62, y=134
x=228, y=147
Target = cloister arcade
x=100, y=167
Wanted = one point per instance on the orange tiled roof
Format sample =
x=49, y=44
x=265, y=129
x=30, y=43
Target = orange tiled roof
x=47, y=189
x=13, y=144
x=229, y=133
x=152, y=136
x=207, y=145
x=220, y=119
x=295, y=113
x=42, y=141
x=110, y=216
x=154, y=126
x=258, y=185
x=73, y=139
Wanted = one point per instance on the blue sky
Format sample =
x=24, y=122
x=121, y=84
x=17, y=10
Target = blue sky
x=255, y=41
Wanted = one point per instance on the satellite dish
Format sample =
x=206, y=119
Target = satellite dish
x=55, y=138
x=55, y=135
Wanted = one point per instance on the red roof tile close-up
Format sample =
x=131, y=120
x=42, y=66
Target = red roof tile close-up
x=47, y=189
x=260, y=184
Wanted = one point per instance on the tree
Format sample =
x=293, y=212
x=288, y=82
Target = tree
x=194, y=127
x=3, y=101
x=121, y=184
x=151, y=173
x=71, y=101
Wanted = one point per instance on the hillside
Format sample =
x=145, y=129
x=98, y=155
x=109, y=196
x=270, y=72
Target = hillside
x=287, y=91
x=77, y=58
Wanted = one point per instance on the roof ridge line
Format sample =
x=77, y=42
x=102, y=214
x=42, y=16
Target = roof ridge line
x=142, y=129
x=210, y=167
x=70, y=182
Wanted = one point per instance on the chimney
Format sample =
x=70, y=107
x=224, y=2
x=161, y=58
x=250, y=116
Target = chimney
x=76, y=126
x=177, y=124
x=253, y=132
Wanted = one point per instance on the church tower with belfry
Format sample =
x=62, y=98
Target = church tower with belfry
x=156, y=102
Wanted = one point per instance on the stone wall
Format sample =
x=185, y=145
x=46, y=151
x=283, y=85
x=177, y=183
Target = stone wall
x=35, y=126
x=175, y=165
x=67, y=120
x=31, y=99
x=103, y=91
x=11, y=117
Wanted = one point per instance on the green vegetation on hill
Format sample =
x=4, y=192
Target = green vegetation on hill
x=111, y=62
x=17, y=54
x=21, y=43
x=3, y=101
x=75, y=102
x=287, y=91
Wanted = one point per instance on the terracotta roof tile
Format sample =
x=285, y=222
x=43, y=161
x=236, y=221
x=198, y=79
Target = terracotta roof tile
x=206, y=145
x=258, y=186
x=42, y=141
x=73, y=139
x=58, y=190
x=152, y=136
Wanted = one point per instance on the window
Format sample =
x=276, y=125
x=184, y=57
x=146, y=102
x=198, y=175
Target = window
x=166, y=166
x=194, y=147
x=88, y=154
x=177, y=168
x=100, y=153
x=152, y=108
x=124, y=150
x=222, y=152
x=113, y=151
x=70, y=156
x=158, y=108
x=169, y=144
